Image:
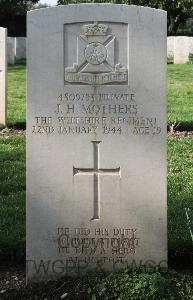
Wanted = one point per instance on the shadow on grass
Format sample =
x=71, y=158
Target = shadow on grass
x=12, y=252
x=18, y=125
x=21, y=61
x=19, y=66
x=181, y=126
x=181, y=257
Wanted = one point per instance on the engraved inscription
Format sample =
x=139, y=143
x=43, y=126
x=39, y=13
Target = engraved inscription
x=100, y=241
x=100, y=113
x=96, y=58
x=96, y=171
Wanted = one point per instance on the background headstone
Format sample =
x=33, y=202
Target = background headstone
x=20, y=47
x=191, y=45
x=11, y=50
x=181, y=49
x=3, y=76
x=96, y=177
x=170, y=46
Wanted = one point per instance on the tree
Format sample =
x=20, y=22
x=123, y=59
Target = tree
x=178, y=10
x=178, y=13
x=16, y=6
x=9, y=9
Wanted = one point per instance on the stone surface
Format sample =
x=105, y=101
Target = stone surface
x=20, y=47
x=11, y=50
x=181, y=49
x=3, y=76
x=170, y=46
x=96, y=146
x=191, y=45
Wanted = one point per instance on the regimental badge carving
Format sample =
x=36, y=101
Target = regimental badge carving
x=96, y=58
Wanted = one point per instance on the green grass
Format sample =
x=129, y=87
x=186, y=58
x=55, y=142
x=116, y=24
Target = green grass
x=180, y=195
x=17, y=95
x=180, y=94
x=12, y=197
x=142, y=284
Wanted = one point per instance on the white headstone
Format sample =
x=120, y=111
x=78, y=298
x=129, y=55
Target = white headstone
x=181, y=49
x=3, y=76
x=96, y=177
x=20, y=47
x=11, y=50
x=191, y=45
x=170, y=46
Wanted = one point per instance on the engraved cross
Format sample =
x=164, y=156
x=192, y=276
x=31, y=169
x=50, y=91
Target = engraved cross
x=96, y=171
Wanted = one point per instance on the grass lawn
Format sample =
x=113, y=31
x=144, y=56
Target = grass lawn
x=17, y=95
x=12, y=197
x=180, y=94
x=180, y=195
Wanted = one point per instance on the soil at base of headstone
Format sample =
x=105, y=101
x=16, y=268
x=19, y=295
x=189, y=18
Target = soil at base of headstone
x=12, y=132
x=180, y=134
x=13, y=287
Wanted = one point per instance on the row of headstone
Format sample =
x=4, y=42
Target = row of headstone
x=3, y=77
x=179, y=47
x=96, y=141
x=16, y=49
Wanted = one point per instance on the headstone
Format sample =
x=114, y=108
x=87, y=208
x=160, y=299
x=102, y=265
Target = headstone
x=3, y=76
x=181, y=49
x=191, y=45
x=11, y=50
x=170, y=46
x=96, y=177
x=20, y=47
